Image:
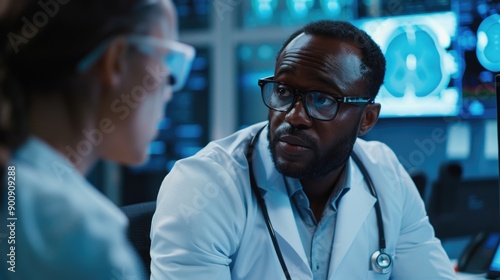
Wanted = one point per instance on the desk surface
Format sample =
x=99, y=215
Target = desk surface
x=468, y=276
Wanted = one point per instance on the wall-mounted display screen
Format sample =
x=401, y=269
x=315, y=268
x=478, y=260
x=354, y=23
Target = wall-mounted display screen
x=442, y=55
x=479, y=44
x=255, y=61
x=193, y=14
x=386, y=8
x=266, y=13
x=422, y=66
x=184, y=129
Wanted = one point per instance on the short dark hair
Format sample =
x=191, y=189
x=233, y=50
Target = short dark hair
x=373, y=67
x=41, y=44
x=67, y=33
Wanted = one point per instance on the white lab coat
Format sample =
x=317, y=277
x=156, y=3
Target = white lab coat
x=65, y=228
x=208, y=224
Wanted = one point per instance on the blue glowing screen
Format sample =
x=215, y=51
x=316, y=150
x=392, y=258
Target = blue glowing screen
x=421, y=64
x=442, y=55
x=193, y=14
x=266, y=13
x=479, y=46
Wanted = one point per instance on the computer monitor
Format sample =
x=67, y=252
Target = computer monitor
x=479, y=30
x=497, y=93
x=474, y=208
x=478, y=205
x=497, y=88
x=477, y=200
x=494, y=269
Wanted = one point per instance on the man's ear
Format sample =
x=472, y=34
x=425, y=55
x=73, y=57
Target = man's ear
x=112, y=64
x=369, y=118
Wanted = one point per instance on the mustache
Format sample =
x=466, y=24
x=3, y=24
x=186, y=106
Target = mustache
x=293, y=131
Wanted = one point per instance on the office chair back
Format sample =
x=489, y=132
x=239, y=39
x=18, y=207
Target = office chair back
x=140, y=216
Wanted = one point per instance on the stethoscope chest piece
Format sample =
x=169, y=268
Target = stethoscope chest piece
x=381, y=262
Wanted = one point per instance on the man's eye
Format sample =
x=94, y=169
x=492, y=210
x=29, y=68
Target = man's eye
x=323, y=100
x=283, y=92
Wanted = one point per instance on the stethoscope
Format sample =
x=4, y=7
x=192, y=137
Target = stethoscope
x=380, y=261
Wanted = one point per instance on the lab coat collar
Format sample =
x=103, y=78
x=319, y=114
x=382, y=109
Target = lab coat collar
x=43, y=157
x=353, y=211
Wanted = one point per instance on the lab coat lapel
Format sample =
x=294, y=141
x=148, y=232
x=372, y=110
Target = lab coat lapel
x=353, y=210
x=279, y=207
x=281, y=215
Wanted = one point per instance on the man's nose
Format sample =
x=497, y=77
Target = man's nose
x=297, y=116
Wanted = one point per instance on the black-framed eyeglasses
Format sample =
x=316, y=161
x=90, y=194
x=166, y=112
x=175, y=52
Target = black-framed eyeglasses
x=319, y=105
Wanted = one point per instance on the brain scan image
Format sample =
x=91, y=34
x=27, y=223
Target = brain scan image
x=414, y=62
x=421, y=64
x=488, y=43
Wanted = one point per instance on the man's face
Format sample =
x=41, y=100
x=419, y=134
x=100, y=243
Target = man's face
x=303, y=147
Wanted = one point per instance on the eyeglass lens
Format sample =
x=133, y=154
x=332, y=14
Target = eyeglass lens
x=281, y=98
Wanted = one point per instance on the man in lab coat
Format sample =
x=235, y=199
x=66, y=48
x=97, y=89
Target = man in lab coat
x=209, y=225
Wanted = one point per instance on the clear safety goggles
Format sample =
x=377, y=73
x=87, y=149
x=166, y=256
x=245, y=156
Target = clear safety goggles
x=177, y=57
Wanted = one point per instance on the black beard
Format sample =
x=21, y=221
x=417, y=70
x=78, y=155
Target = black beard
x=322, y=164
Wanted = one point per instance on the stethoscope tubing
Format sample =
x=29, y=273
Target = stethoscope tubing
x=378, y=211
x=263, y=206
